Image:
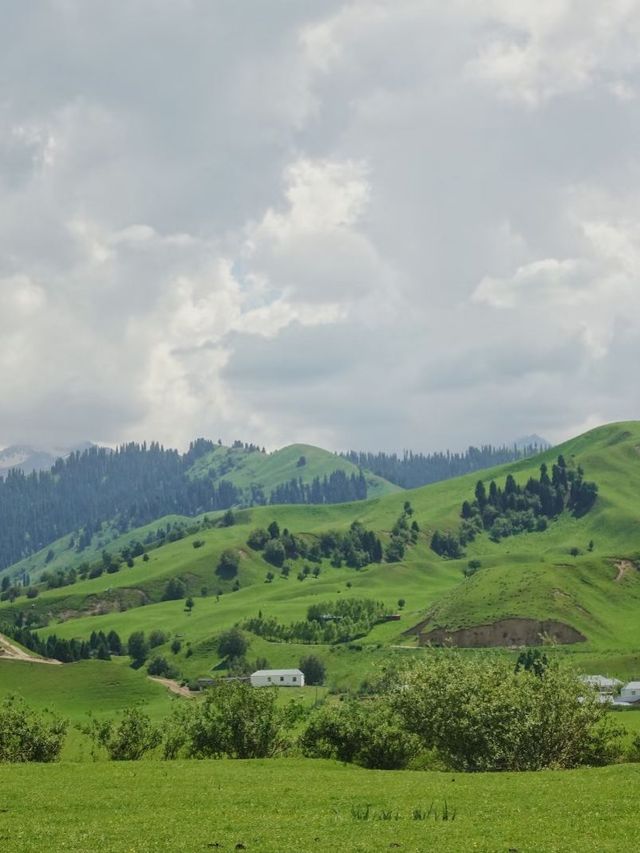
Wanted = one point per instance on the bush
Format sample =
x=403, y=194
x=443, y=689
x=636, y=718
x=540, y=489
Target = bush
x=274, y=553
x=174, y=589
x=258, y=538
x=26, y=735
x=228, y=564
x=481, y=715
x=234, y=720
x=160, y=666
x=127, y=739
x=33, y=592
x=371, y=735
x=157, y=638
x=446, y=545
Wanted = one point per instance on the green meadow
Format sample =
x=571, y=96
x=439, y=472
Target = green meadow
x=301, y=805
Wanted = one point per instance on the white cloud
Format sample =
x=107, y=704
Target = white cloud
x=357, y=222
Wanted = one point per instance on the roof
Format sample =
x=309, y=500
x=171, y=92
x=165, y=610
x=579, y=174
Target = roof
x=600, y=681
x=277, y=672
x=632, y=685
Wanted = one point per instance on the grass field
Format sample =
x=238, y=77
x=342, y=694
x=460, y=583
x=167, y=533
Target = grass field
x=302, y=805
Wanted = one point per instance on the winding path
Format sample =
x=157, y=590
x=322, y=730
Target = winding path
x=173, y=686
x=10, y=652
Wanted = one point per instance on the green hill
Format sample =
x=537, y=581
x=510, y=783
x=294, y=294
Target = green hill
x=253, y=469
x=537, y=576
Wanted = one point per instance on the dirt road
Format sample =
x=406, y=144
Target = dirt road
x=173, y=686
x=10, y=652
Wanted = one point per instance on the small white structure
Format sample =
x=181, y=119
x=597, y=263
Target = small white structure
x=604, y=687
x=630, y=693
x=602, y=684
x=277, y=677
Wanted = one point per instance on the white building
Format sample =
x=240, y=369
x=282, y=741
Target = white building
x=602, y=684
x=630, y=692
x=277, y=677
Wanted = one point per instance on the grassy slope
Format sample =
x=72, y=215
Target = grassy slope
x=236, y=465
x=301, y=805
x=530, y=575
x=272, y=469
x=80, y=688
x=65, y=557
x=94, y=687
x=535, y=575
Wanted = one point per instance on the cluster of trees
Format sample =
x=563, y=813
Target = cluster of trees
x=326, y=622
x=411, y=470
x=129, y=487
x=356, y=548
x=501, y=722
x=337, y=488
x=139, y=647
x=99, y=645
x=403, y=533
x=515, y=509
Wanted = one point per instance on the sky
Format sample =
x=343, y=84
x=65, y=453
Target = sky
x=371, y=224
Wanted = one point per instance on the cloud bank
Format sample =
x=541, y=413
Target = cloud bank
x=363, y=224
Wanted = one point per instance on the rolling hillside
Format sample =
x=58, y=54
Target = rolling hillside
x=266, y=471
x=89, y=502
x=549, y=576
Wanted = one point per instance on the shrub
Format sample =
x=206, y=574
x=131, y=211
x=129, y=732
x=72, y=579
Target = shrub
x=234, y=720
x=127, y=739
x=258, y=538
x=481, y=715
x=26, y=735
x=157, y=638
x=274, y=552
x=228, y=564
x=160, y=666
x=371, y=735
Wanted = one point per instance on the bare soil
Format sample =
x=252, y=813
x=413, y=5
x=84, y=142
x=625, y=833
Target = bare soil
x=173, y=686
x=624, y=568
x=10, y=652
x=505, y=632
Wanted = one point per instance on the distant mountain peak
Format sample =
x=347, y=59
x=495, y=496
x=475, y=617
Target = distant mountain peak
x=533, y=440
x=28, y=458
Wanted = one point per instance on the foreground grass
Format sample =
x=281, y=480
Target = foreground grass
x=302, y=805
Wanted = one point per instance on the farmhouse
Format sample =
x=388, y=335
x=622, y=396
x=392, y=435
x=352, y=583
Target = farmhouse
x=601, y=683
x=279, y=677
x=630, y=693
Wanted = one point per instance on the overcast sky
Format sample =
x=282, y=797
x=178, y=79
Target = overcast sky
x=373, y=224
